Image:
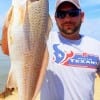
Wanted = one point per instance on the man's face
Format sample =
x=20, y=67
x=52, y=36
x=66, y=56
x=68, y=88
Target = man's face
x=69, y=23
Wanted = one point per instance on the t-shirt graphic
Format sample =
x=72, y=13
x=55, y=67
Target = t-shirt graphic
x=74, y=59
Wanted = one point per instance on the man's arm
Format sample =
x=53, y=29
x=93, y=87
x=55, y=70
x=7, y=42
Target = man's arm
x=4, y=40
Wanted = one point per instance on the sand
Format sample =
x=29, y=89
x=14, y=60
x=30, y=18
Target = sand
x=14, y=95
x=97, y=89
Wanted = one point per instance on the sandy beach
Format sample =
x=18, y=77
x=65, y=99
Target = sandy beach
x=14, y=95
x=97, y=89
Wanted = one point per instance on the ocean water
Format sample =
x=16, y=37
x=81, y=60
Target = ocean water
x=4, y=69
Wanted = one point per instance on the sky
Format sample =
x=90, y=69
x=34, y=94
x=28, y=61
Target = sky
x=90, y=26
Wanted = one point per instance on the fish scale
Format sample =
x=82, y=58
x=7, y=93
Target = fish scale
x=27, y=43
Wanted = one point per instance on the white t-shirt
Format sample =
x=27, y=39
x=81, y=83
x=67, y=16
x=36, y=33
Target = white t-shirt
x=71, y=70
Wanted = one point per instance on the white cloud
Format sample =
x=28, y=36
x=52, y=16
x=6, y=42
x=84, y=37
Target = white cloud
x=1, y=24
x=54, y=23
x=87, y=3
x=1, y=19
x=91, y=27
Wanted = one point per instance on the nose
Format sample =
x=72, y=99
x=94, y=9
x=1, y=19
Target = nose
x=67, y=17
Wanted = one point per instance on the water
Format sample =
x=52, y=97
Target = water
x=4, y=69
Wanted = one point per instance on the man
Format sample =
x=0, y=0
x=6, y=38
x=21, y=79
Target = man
x=73, y=58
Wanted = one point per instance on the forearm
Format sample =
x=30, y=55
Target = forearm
x=4, y=40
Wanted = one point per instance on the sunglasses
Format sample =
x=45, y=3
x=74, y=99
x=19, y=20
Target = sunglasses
x=72, y=13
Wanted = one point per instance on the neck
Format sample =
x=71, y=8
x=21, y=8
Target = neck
x=72, y=36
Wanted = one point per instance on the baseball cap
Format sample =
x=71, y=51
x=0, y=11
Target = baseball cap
x=74, y=2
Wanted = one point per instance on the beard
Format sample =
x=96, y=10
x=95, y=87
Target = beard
x=72, y=28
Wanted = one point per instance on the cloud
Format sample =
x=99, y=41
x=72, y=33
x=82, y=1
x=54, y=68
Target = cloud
x=91, y=8
x=54, y=23
x=1, y=19
x=91, y=28
x=1, y=22
x=88, y=3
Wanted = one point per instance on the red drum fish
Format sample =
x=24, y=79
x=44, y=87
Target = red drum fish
x=28, y=31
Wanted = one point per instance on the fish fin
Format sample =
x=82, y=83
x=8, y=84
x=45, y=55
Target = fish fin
x=10, y=85
x=6, y=93
x=11, y=81
x=50, y=24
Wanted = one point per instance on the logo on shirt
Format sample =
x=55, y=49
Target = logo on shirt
x=74, y=59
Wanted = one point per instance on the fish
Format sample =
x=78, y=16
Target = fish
x=10, y=85
x=28, y=31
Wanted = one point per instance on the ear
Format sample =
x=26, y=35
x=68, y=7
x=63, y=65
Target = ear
x=82, y=16
x=55, y=18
